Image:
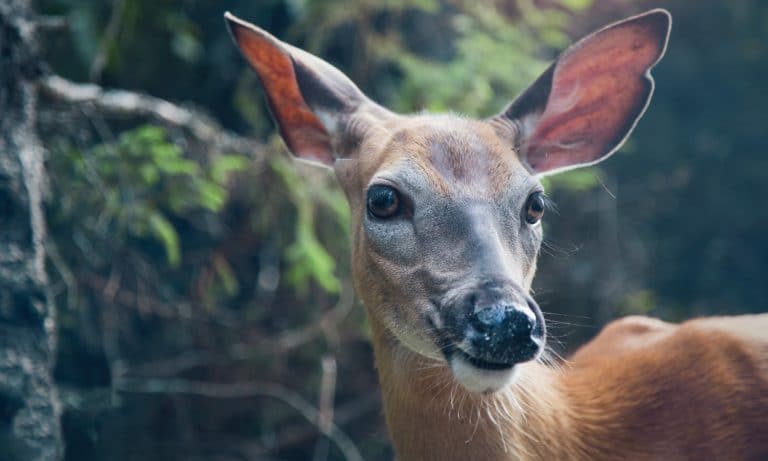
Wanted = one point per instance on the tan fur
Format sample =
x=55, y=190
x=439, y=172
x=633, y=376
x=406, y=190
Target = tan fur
x=642, y=390
x=698, y=391
x=411, y=137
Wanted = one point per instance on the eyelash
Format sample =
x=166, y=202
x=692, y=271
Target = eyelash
x=549, y=204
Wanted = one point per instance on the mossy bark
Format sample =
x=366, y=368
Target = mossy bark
x=29, y=414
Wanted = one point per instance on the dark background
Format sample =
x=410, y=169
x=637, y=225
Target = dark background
x=202, y=290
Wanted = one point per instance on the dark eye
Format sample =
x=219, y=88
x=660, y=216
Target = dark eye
x=383, y=201
x=534, y=207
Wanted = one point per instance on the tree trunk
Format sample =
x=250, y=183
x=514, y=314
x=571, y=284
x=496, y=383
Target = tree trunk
x=29, y=414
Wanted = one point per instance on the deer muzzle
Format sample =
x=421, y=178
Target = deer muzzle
x=487, y=330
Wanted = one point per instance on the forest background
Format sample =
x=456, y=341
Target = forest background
x=200, y=279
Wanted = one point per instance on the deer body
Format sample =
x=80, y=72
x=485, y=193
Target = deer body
x=445, y=231
x=697, y=391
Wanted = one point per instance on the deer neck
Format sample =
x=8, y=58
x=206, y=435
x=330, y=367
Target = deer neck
x=430, y=416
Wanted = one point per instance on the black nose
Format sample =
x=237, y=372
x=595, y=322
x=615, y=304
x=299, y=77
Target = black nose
x=503, y=333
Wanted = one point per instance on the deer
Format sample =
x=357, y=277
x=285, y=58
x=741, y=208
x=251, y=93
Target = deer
x=446, y=228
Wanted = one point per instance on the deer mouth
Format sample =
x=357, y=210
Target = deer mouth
x=484, y=370
x=453, y=352
x=474, y=374
x=478, y=375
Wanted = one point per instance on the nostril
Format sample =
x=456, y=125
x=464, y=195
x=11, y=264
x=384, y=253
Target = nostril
x=500, y=317
x=519, y=323
x=487, y=318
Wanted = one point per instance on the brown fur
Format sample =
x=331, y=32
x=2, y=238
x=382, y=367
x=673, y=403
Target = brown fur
x=642, y=390
x=444, y=149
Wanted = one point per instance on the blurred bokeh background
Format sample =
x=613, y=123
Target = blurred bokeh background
x=201, y=280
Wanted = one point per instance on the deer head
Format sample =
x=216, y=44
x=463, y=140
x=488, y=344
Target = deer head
x=446, y=210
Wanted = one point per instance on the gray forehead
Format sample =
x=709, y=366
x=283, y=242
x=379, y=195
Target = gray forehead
x=455, y=226
x=458, y=176
x=462, y=204
x=462, y=158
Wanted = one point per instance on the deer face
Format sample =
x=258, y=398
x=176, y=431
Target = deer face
x=446, y=210
x=446, y=233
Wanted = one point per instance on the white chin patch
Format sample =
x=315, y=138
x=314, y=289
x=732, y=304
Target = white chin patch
x=479, y=380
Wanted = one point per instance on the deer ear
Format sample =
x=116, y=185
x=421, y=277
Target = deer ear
x=586, y=104
x=310, y=100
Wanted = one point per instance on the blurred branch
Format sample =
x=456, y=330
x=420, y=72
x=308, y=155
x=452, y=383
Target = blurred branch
x=126, y=297
x=51, y=23
x=350, y=411
x=110, y=34
x=293, y=338
x=66, y=274
x=326, y=404
x=241, y=390
x=101, y=399
x=129, y=103
x=281, y=343
x=327, y=392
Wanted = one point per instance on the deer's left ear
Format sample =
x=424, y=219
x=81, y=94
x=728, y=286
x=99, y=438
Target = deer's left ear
x=586, y=104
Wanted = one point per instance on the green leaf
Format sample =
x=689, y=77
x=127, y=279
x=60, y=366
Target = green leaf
x=211, y=195
x=226, y=274
x=161, y=228
x=574, y=180
x=148, y=133
x=177, y=165
x=576, y=5
x=310, y=260
x=224, y=165
x=638, y=302
x=149, y=174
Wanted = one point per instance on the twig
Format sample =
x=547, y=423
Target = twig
x=110, y=34
x=58, y=263
x=241, y=390
x=100, y=399
x=344, y=414
x=281, y=343
x=129, y=103
x=52, y=23
x=326, y=404
x=128, y=298
x=327, y=393
x=294, y=338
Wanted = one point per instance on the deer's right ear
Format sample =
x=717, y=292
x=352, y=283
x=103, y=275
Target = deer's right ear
x=310, y=100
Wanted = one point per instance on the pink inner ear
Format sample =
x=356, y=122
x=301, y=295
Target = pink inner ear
x=300, y=128
x=600, y=88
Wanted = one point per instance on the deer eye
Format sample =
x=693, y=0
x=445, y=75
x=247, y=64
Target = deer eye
x=534, y=207
x=383, y=201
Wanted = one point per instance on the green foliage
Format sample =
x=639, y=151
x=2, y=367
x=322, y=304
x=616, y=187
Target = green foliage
x=307, y=258
x=580, y=180
x=496, y=55
x=638, y=302
x=576, y=5
x=137, y=185
x=472, y=81
x=492, y=55
x=682, y=232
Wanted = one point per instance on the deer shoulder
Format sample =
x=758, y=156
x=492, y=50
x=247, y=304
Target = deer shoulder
x=705, y=381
